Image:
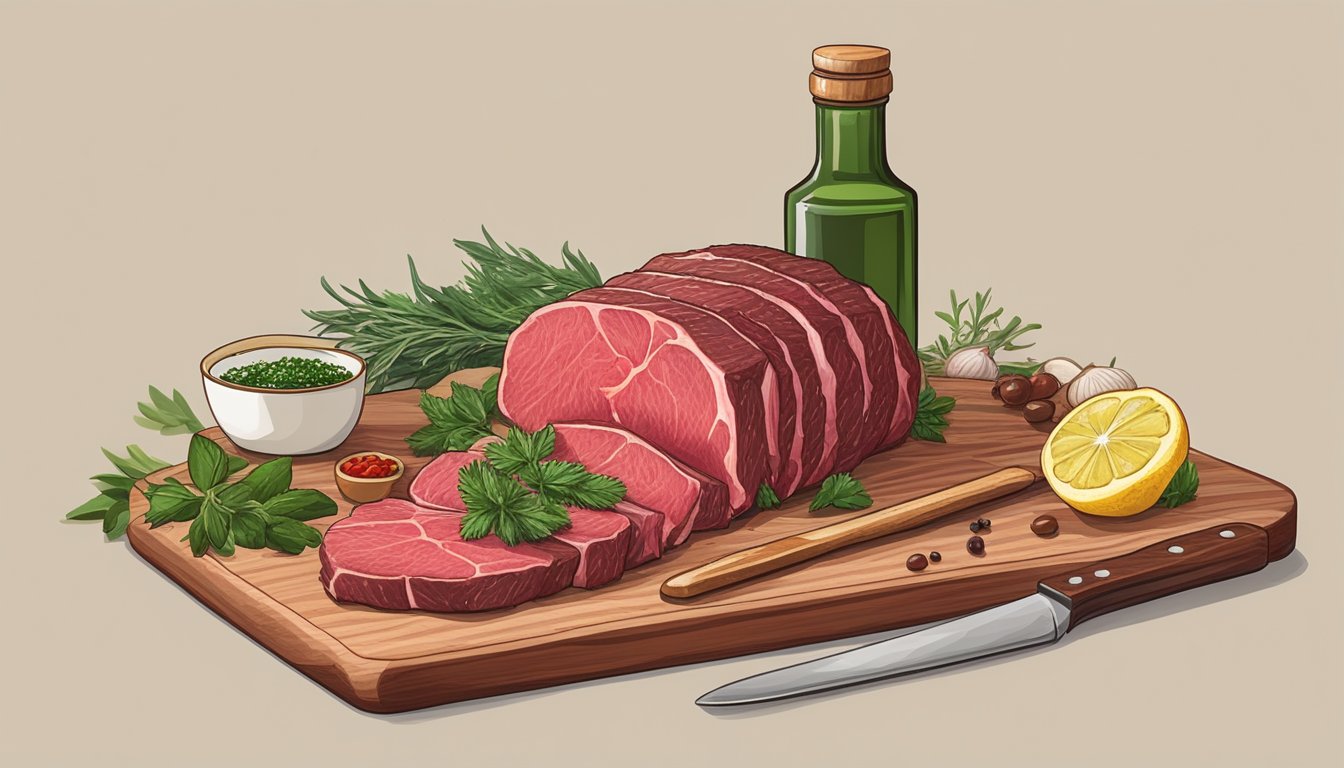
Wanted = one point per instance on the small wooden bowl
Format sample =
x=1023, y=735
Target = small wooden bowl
x=362, y=490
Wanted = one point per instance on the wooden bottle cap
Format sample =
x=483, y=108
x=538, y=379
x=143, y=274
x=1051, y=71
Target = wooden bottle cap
x=850, y=75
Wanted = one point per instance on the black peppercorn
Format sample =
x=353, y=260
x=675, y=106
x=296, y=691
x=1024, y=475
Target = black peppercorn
x=975, y=527
x=935, y=556
x=975, y=545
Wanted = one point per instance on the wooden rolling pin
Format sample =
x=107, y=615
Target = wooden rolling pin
x=792, y=550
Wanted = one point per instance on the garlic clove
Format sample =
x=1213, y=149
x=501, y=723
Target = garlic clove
x=1062, y=368
x=972, y=363
x=1096, y=380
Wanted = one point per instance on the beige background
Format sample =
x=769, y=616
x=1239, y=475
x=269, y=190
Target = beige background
x=1159, y=181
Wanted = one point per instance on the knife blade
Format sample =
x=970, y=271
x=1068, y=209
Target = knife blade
x=1061, y=602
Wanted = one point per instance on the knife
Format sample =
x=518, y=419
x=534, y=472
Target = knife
x=1061, y=603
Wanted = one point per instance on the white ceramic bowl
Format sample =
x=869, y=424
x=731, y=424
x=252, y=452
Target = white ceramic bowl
x=284, y=422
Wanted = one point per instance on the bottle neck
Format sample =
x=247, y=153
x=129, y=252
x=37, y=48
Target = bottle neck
x=851, y=141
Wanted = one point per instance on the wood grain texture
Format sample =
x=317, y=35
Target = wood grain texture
x=792, y=550
x=386, y=661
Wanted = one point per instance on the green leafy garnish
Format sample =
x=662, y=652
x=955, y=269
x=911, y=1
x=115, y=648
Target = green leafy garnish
x=256, y=512
x=167, y=415
x=521, y=449
x=841, y=491
x=518, y=495
x=980, y=327
x=929, y=416
x=766, y=498
x=457, y=421
x=1183, y=488
x=496, y=503
x=418, y=339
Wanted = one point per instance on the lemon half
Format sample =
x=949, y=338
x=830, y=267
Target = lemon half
x=1115, y=454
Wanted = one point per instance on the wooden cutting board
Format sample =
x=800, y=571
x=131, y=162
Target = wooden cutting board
x=388, y=661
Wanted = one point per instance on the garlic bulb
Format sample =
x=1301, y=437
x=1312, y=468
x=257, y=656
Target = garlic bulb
x=1095, y=380
x=972, y=363
x=1062, y=368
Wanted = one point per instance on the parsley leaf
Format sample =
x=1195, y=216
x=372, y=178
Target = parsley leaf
x=521, y=449
x=766, y=498
x=841, y=491
x=1183, y=488
x=570, y=483
x=496, y=503
x=929, y=422
x=457, y=421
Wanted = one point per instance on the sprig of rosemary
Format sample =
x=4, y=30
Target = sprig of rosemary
x=416, y=340
x=974, y=325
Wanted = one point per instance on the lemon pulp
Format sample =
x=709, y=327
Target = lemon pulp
x=1115, y=453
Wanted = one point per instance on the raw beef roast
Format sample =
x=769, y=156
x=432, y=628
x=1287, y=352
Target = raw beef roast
x=676, y=375
x=393, y=554
x=693, y=380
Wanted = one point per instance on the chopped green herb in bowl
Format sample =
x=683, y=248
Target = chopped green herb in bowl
x=288, y=373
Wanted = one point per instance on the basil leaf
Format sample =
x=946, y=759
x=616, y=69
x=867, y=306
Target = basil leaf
x=93, y=509
x=289, y=536
x=171, y=503
x=218, y=520
x=301, y=504
x=227, y=549
x=249, y=527
x=196, y=535
x=120, y=482
x=117, y=518
x=235, y=463
x=270, y=479
x=234, y=495
x=207, y=463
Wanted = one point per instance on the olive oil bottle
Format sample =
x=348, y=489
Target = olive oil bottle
x=851, y=210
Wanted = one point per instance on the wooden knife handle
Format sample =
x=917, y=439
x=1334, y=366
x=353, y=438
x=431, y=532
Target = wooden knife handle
x=792, y=550
x=1171, y=566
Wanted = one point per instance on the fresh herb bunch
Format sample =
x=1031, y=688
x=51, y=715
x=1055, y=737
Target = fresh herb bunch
x=416, y=340
x=1183, y=488
x=974, y=325
x=259, y=511
x=457, y=421
x=516, y=494
x=841, y=491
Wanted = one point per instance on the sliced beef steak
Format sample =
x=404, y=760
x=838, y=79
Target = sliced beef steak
x=674, y=374
x=603, y=539
x=784, y=342
x=646, y=533
x=435, y=486
x=841, y=353
x=394, y=554
x=687, y=499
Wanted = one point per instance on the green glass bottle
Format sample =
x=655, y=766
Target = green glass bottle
x=851, y=210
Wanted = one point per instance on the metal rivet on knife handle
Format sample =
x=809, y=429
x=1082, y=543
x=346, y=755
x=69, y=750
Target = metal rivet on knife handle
x=792, y=550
